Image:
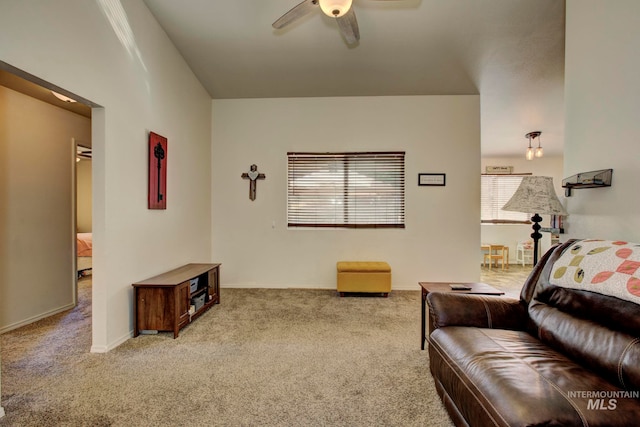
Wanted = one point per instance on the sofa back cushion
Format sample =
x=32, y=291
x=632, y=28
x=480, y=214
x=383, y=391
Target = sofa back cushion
x=599, y=331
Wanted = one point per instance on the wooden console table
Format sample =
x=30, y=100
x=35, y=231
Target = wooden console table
x=163, y=302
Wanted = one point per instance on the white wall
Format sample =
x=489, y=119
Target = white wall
x=36, y=218
x=511, y=234
x=115, y=54
x=438, y=133
x=602, y=98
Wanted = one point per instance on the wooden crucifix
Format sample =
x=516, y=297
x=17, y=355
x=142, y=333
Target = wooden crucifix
x=253, y=175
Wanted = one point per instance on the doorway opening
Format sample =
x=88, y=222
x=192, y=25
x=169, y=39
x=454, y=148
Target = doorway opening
x=43, y=176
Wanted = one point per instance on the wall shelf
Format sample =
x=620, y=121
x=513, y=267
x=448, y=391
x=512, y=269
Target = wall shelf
x=593, y=179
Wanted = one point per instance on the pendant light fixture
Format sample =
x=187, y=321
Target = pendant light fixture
x=538, y=152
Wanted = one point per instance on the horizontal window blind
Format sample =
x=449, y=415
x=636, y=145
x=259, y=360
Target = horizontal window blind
x=348, y=190
x=496, y=190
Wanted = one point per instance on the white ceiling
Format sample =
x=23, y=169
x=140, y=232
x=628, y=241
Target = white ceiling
x=511, y=52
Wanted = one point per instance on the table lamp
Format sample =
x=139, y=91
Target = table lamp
x=535, y=195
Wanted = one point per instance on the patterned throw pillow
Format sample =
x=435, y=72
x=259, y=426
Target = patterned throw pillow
x=603, y=266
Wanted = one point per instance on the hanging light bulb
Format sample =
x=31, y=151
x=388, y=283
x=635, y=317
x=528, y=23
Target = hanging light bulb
x=335, y=8
x=539, y=151
x=529, y=154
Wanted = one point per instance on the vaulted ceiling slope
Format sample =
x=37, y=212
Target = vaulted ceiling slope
x=511, y=52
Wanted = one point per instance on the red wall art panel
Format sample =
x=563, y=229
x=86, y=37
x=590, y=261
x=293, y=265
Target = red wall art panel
x=157, y=171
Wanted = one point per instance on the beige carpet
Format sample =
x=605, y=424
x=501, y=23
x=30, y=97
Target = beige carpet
x=262, y=357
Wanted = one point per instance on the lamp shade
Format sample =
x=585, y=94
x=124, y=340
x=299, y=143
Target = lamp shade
x=535, y=195
x=335, y=8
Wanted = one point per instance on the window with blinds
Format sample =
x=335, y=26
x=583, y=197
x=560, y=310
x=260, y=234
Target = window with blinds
x=495, y=191
x=346, y=190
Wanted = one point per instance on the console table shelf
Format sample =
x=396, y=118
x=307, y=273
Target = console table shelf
x=164, y=302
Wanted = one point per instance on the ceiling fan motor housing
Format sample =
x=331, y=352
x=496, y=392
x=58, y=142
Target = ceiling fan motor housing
x=335, y=8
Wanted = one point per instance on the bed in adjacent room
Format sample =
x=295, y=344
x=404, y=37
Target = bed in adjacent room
x=85, y=246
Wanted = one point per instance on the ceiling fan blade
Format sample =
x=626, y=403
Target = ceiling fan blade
x=298, y=11
x=348, y=25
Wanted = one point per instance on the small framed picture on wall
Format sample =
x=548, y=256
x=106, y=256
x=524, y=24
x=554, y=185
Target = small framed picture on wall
x=432, y=179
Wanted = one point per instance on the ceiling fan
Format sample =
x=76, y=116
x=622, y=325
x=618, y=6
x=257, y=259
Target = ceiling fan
x=341, y=10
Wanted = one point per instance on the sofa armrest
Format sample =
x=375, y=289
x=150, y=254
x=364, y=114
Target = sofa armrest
x=480, y=311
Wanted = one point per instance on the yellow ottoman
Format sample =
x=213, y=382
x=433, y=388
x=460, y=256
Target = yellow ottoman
x=364, y=276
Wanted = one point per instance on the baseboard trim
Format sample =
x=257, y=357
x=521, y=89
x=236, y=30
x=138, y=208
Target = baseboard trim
x=99, y=349
x=317, y=287
x=273, y=286
x=107, y=348
x=36, y=318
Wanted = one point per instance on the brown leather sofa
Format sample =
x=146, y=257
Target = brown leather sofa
x=555, y=357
